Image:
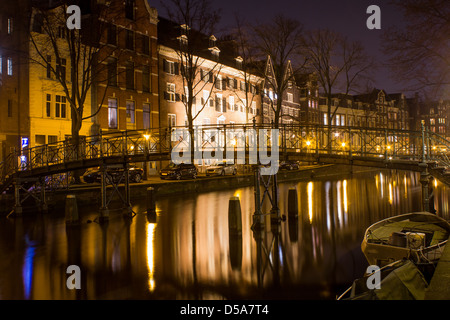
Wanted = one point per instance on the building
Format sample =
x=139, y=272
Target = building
x=126, y=87
x=223, y=94
x=14, y=70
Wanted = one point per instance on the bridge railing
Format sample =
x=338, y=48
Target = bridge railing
x=388, y=144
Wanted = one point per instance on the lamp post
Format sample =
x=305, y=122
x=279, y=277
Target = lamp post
x=146, y=151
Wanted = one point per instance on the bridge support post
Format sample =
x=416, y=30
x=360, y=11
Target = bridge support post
x=17, y=204
x=425, y=180
x=104, y=211
x=128, y=208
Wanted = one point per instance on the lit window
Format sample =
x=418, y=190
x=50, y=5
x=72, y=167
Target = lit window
x=146, y=115
x=130, y=111
x=112, y=113
x=170, y=93
x=9, y=67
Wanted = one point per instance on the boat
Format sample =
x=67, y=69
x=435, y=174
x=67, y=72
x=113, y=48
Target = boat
x=418, y=236
x=400, y=280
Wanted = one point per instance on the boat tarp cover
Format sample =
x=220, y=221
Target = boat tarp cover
x=403, y=283
x=383, y=232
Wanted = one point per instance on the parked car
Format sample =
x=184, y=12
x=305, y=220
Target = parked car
x=113, y=175
x=178, y=171
x=289, y=165
x=221, y=169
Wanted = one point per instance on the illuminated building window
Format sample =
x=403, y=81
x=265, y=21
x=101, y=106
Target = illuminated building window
x=9, y=67
x=146, y=115
x=130, y=111
x=112, y=113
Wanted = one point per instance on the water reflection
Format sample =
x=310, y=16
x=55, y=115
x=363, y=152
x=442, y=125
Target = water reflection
x=192, y=251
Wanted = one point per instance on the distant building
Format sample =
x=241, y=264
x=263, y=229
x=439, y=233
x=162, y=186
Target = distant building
x=224, y=92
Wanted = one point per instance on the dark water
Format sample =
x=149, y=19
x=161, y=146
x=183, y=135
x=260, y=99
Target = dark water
x=189, y=252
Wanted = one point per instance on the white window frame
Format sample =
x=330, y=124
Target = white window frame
x=231, y=103
x=170, y=87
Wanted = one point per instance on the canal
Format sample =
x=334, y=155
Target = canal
x=189, y=252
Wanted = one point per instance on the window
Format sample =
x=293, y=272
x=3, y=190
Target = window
x=146, y=79
x=49, y=67
x=112, y=34
x=112, y=113
x=9, y=108
x=170, y=93
x=325, y=119
x=112, y=72
x=146, y=115
x=129, y=75
x=10, y=25
x=1, y=65
x=170, y=67
x=432, y=122
x=219, y=103
x=231, y=103
x=342, y=120
x=218, y=83
x=61, y=68
x=129, y=40
x=205, y=97
x=290, y=97
x=39, y=139
x=129, y=9
x=60, y=107
x=37, y=23
x=338, y=120
x=145, y=45
x=52, y=139
x=9, y=67
x=253, y=108
x=172, y=120
x=130, y=112
x=48, y=105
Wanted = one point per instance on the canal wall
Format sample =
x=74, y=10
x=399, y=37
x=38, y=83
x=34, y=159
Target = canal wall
x=89, y=194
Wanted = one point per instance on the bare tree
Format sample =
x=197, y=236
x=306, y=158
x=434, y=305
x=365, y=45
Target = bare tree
x=197, y=21
x=419, y=51
x=248, y=70
x=279, y=42
x=339, y=64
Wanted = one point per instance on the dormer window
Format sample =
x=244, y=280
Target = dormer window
x=184, y=29
x=212, y=41
x=183, y=39
x=239, y=61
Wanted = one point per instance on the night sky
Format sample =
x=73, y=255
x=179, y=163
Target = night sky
x=346, y=16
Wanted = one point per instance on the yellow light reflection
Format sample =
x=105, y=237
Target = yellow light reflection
x=150, y=255
x=391, y=198
x=345, y=197
x=310, y=201
x=435, y=183
x=405, y=182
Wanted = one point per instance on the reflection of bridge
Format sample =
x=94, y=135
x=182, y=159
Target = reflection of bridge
x=34, y=168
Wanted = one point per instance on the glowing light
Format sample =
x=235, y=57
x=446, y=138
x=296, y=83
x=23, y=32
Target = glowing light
x=146, y=136
x=151, y=255
x=234, y=142
x=391, y=197
x=336, y=134
x=388, y=147
x=435, y=183
x=308, y=143
x=343, y=144
x=132, y=147
x=310, y=201
x=237, y=194
x=345, y=196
